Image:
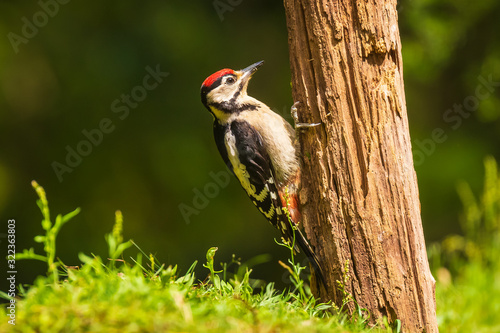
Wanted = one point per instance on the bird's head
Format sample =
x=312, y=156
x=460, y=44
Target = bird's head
x=225, y=91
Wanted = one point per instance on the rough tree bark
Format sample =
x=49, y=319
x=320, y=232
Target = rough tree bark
x=360, y=197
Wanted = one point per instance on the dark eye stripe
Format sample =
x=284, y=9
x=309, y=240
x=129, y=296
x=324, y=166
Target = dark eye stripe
x=218, y=82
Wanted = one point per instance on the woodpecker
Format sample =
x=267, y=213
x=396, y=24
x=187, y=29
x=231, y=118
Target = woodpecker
x=259, y=147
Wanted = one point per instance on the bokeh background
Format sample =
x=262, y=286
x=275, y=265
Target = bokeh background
x=64, y=67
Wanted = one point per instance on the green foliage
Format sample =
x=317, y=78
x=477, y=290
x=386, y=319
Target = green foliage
x=481, y=217
x=115, y=239
x=466, y=266
x=139, y=295
x=51, y=231
x=296, y=269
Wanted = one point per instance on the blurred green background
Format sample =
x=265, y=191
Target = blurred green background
x=67, y=66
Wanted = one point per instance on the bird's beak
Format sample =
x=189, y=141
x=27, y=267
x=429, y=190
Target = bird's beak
x=248, y=71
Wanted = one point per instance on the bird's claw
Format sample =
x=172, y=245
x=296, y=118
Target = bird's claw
x=293, y=111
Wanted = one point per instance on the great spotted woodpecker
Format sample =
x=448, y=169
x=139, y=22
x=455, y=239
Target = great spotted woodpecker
x=259, y=147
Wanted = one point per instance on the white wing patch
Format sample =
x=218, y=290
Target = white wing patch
x=274, y=196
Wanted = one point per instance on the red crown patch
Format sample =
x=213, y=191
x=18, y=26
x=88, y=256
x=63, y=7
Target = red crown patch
x=212, y=78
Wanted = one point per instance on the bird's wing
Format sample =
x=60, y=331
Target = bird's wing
x=242, y=149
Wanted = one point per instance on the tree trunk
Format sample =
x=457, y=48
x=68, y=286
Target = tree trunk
x=360, y=197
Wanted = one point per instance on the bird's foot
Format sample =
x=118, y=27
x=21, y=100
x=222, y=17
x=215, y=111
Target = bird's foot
x=293, y=111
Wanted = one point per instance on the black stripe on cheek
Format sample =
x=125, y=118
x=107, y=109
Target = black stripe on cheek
x=231, y=107
x=235, y=96
x=205, y=90
x=246, y=107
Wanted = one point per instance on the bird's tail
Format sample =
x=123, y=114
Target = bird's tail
x=290, y=202
x=303, y=244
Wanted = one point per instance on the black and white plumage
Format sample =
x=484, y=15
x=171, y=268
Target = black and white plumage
x=259, y=147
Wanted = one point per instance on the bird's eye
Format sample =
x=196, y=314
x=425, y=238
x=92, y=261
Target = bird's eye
x=230, y=80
